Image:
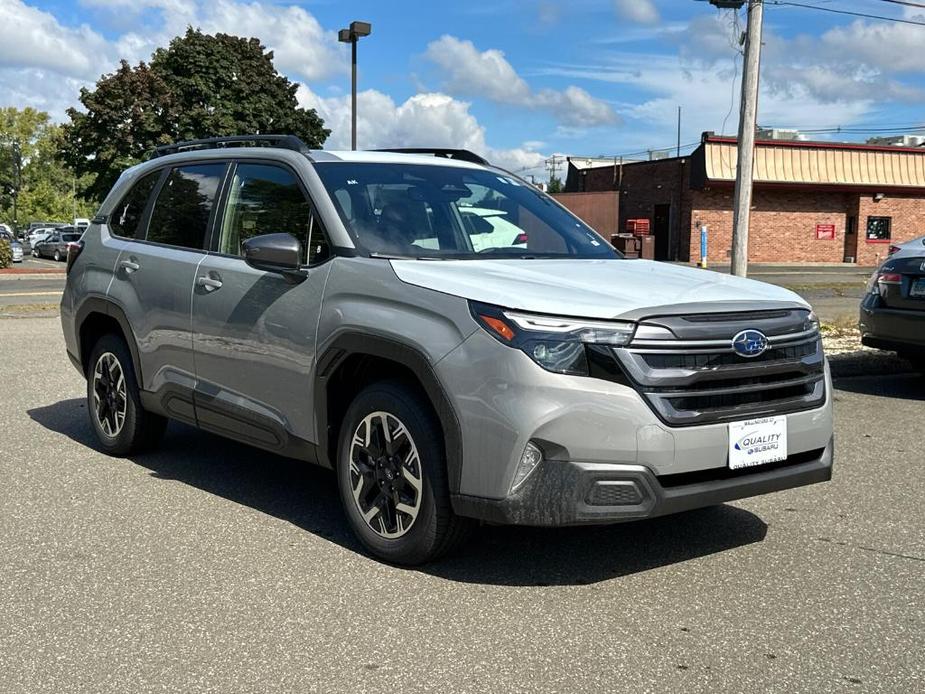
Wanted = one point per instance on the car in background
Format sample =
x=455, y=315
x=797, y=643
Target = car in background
x=56, y=245
x=487, y=228
x=892, y=313
x=15, y=246
x=907, y=248
x=37, y=235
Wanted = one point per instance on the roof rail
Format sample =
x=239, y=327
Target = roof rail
x=460, y=154
x=281, y=141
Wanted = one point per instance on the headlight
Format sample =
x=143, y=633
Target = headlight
x=811, y=322
x=557, y=343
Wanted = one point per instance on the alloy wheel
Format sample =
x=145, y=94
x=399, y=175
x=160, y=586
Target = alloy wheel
x=110, y=399
x=385, y=475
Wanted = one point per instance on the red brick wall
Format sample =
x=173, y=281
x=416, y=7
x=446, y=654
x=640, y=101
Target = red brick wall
x=782, y=228
x=783, y=225
x=908, y=222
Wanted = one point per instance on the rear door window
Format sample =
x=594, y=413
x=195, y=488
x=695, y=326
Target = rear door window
x=183, y=210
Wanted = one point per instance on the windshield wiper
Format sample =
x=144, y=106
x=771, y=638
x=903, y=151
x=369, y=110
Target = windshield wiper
x=395, y=256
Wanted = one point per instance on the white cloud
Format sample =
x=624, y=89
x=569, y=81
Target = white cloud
x=423, y=120
x=488, y=74
x=639, y=11
x=31, y=38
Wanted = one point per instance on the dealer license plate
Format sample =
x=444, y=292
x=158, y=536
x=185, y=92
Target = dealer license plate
x=918, y=288
x=757, y=442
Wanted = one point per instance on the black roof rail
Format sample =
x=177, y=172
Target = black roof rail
x=281, y=141
x=460, y=154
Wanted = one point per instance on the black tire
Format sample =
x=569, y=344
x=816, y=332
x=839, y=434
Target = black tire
x=57, y=256
x=435, y=530
x=140, y=429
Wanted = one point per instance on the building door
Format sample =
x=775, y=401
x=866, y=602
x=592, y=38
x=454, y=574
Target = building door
x=851, y=239
x=662, y=230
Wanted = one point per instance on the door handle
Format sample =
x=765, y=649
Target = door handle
x=208, y=283
x=129, y=266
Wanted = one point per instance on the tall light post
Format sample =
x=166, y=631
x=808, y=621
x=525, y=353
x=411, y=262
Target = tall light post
x=352, y=35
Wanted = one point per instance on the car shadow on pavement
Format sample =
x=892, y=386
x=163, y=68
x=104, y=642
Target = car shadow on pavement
x=306, y=496
x=904, y=386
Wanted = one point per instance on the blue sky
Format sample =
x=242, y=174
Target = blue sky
x=518, y=81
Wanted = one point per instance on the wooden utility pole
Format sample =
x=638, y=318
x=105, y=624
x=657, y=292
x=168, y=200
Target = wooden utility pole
x=746, y=141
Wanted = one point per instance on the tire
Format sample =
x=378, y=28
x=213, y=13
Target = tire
x=121, y=425
x=57, y=256
x=417, y=473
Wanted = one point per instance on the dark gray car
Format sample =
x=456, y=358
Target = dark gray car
x=334, y=307
x=56, y=245
x=893, y=310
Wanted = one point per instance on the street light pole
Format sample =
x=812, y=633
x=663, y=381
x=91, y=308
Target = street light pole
x=746, y=140
x=352, y=36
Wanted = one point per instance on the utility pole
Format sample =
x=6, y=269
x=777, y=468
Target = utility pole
x=352, y=35
x=678, y=153
x=748, y=114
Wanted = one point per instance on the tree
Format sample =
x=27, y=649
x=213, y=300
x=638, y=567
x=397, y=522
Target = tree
x=555, y=185
x=34, y=183
x=201, y=85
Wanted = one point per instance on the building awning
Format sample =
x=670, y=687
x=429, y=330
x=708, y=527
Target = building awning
x=818, y=164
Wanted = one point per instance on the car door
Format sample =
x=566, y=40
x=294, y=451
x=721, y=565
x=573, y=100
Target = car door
x=154, y=276
x=254, y=331
x=46, y=245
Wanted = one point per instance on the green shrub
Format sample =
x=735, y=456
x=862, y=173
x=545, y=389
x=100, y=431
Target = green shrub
x=6, y=253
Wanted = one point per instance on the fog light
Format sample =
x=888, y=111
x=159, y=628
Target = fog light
x=528, y=461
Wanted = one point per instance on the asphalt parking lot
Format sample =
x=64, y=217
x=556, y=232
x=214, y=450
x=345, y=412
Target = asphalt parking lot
x=210, y=566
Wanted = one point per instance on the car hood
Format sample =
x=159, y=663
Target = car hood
x=590, y=288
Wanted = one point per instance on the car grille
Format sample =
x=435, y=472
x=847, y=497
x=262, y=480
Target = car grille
x=687, y=371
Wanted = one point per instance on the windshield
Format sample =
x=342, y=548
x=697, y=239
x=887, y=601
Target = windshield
x=410, y=210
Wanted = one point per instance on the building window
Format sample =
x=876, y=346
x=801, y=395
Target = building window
x=878, y=229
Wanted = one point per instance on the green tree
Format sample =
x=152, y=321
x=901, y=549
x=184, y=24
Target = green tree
x=555, y=185
x=201, y=85
x=34, y=182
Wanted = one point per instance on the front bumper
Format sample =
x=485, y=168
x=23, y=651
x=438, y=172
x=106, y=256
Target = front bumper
x=576, y=493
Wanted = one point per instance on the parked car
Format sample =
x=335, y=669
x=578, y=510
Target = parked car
x=908, y=248
x=56, y=244
x=38, y=234
x=16, y=247
x=277, y=296
x=892, y=313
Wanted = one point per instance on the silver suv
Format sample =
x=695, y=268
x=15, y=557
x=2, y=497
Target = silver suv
x=357, y=310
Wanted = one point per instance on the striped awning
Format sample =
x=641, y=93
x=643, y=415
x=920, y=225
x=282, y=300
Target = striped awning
x=811, y=163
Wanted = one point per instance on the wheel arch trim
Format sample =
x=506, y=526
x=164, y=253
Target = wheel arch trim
x=106, y=307
x=350, y=343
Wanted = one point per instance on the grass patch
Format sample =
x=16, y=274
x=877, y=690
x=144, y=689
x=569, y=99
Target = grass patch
x=28, y=310
x=846, y=289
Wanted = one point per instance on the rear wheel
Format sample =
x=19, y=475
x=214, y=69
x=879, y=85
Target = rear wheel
x=122, y=426
x=391, y=473
x=57, y=255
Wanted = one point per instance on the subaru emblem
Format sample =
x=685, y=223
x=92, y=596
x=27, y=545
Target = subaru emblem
x=750, y=343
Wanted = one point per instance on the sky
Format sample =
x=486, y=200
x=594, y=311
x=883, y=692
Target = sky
x=517, y=81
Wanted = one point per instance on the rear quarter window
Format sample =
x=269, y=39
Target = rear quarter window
x=126, y=218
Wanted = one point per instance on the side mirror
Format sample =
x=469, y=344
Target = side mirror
x=281, y=253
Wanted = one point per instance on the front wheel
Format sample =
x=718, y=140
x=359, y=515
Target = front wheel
x=122, y=426
x=391, y=473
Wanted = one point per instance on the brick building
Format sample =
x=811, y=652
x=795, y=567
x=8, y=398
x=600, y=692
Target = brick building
x=812, y=201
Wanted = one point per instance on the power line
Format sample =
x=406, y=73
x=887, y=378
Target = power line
x=906, y=3
x=781, y=3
